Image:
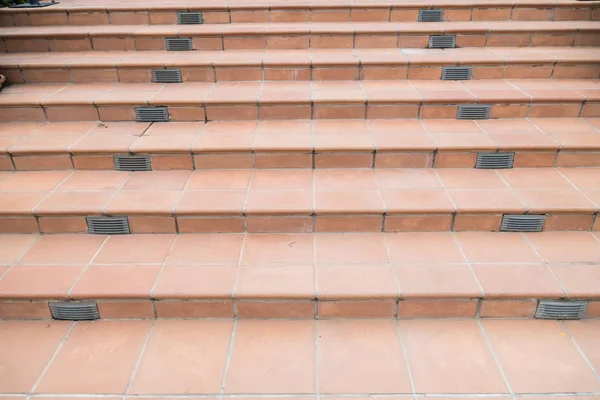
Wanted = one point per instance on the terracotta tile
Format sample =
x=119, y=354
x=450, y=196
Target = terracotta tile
x=412, y=248
x=116, y=282
x=13, y=247
x=335, y=309
x=477, y=222
x=487, y=247
x=183, y=357
x=417, y=223
x=507, y=308
x=521, y=348
x=348, y=202
x=361, y=357
x=74, y=202
x=581, y=177
x=27, y=346
x=101, y=339
x=219, y=180
x=21, y=203
x=269, y=202
x=467, y=366
x=565, y=246
x=94, y=180
x=288, y=366
x=157, y=180
x=578, y=280
x=407, y=178
x=437, y=281
x=344, y=160
x=486, y=200
x=275, y=282
x=517, y=281
x=278, y=249
x=126, y=309
x=552, y=200
x=194, y=309
x=278, y=224
x=282, y=179
x=446, y=308
x=63, y=249
x=127, y=202
x=33, y=180
x=205, y=249
x=19, y=225
x=195, y=282
x=352, y=248
x=583, y=333
x=211, y=202
x=417, y=201
x=330, y=179
x=351, y=282
x=39, y=282
x=25, y=310
x=451, y=126
x=470, y=179
x=144, y=249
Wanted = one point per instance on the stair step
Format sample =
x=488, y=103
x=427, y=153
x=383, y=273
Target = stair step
x=302, y=65
x=300, y=35
x=560, y=142
x=300, y=200
x=470, y=274
x=203, y=101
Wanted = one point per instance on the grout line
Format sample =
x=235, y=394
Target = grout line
x=405, y=355
x=142, y=351
x=317, y=381
x=579, y=349
x=237, y=274
x=489, y=345
x=87, y=266
x=228, y=358
x=468, y=262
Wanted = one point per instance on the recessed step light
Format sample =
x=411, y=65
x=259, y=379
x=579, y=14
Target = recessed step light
x=166, y=76
x=522, y=223
x=434, y=15
x=456, y=73
x=560, y=309
x=178, y=44
x=108, y=225
x=189, y=18
x=501, y=160
x=152, y=114
x=74, y=311
x=474, y=111
x=442, y=41
x=132, y=163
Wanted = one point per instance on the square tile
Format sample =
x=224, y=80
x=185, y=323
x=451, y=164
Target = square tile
x=116, y=282
x=348, y=202
x=264, y=179
x=567, y=247
x=45, y=282
x=157, y=180
x=585, y=334
x=437, y=281
x=490, y=247
x=34, y=180
x=145, y=202
x=486, y=200
x=555, y=200
x=353, y=282
x=134, y=249
x=415, y=247
x=94, y=180
x=470, y=178
x=535, y=178
x=218, y=202
x=275, y=282
x=12, y=247
x=409, y=178
x=195, y=282
x=206, y=249
x=579, y=281
x=347, y=179
x=64, y=249
x=278, y=249
x=271, y=202
x=417, y=201
x=233, y=179
x=350, y=248
x=517, y=281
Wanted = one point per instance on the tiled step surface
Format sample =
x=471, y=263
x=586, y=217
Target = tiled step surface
x=80, y=12
x=299, y=35
x=325, y=275
x=299, y=200
x=302, y=65
x=401, y=143
x=204, y=101
x=289, y=359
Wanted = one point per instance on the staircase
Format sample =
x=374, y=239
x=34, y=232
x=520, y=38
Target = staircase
x=249, y=194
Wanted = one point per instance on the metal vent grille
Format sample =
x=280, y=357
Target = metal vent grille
x=166, y=76
x=108, y=225
x=548, y=309
x=522, y=223
x=189, y=18
x=152, y=114
x=456, y=73
x=178, y=44
x=75, y=311
x=495, y=160
x=442, y=41
x=474, y=111
x=431, y=15
x=132, y=163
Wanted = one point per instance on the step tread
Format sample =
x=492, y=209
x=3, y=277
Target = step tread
x=304, y=57
x=325, y=266
x=300, y=27
x=301, y=192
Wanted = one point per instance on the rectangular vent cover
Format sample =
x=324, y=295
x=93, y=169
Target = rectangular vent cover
x=431, y=15
x=495, y=160
x=522, y=223
x=189, y=18
x=166, y=76
x=151, y=114
x=474, y=111
x=132, y=163
x=108, y=225
x=178, y=44
x=456, y=73
x=548, y=309
x=442, y=41
x=75, y=311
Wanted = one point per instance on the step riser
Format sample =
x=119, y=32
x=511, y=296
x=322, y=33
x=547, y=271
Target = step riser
x=286, y=223
x=301, y=40
x=394, y=14
x=405, y=308
x=203, y=73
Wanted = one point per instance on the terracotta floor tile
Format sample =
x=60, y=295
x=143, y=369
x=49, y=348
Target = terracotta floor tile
x=470, y=179
x=348, y=202
x=66, y=128
x=89, y=356
x=563, y=125
x=19, y=128
x=339, y=126
x=64, y=249
x=74, y=202
x=121, y=128
x=361, y=357
x=348, y=141
x=272, y=357
x=279, y=202
x=275, y=282
x=25, y=349
x=333, y=179
x=233, y=128
x=535, y=178
x=403, y=141
x=450, y=126
x=566, y=247
x=437, y=281
x=266, y=179
x=219, y=141
x=490, y=247
x=206, y=249
x=466, y=366
x=464, y=141
x=195, y=282
x=395, y=126
x=486, y=200
x=517, y=280
x=222, y=202
x=582, y=177
x=134, y=249
x=417, y=201
x=116, y=282
x=278, y=249
x=232, y=179
x=409, y=178
x=174, y=128
x=157, y=180
x=522, y=351
x=13, y=247
x=579, y=281
x=555, y=200
x=34, y=180
x=94, y=180
x=184, y=357
x=356, y=282
x=127, y=202
x=103, y=144
x=39, y=282
x=413, y=247
x=350, y=248
x=501, y=126
x=585, y=334
x=299, y=127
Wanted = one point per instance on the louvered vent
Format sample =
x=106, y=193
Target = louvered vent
x=474, y=111
x=442, y=41
x=456, y=73
x=522, y=223
x=178, y=44
x=495, y=160
x=74, y=311
x=166, y=76
x=189, y=18
x=132, y=163
x=548, y=309
x=108, y=225
x=431, y=15
x=151, y=114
